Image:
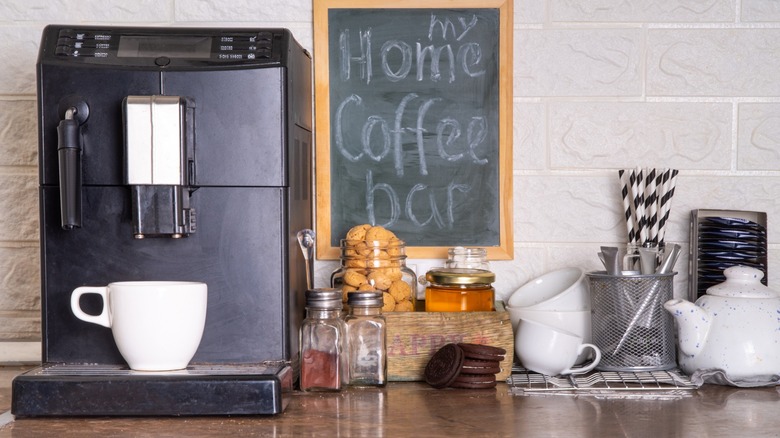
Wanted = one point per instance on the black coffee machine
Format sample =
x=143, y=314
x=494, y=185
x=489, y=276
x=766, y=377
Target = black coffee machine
x=172, y=154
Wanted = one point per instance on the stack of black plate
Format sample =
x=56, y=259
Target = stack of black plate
x=728, y=241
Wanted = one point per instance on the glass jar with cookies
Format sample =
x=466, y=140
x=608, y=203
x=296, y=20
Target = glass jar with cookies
x=374, y=259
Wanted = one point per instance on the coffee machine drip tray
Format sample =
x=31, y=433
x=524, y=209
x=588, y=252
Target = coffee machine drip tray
x=115, y=390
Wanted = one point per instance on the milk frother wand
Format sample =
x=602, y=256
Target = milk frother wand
x=74, y=112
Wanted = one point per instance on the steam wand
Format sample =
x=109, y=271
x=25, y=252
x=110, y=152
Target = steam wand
x=69, y=156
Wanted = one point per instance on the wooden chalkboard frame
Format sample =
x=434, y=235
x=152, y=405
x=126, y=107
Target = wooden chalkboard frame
x=325, y=251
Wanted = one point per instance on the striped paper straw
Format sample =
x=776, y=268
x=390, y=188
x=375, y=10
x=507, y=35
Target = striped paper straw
x=624, y=185
x=663, y=195
x=647, y=194
x=639, y=200
x=651, y=207
x=666, y=204
x=634, y=198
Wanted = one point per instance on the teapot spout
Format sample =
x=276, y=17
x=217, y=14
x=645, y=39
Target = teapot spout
x=693, y=325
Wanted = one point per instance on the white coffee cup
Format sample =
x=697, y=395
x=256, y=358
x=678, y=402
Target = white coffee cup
x=577, y=322
x=563, y=290
x=157, y=325
x=551, y=351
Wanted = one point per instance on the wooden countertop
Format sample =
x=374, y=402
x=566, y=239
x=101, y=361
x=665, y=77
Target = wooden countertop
x=415, y=409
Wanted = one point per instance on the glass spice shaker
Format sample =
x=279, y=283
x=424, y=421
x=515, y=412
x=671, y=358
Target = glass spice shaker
x=322, y=342
x=366, y=340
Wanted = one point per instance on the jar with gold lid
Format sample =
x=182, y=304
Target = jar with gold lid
x=459, y=290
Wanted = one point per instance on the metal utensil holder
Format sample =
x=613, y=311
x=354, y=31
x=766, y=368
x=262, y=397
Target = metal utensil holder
x=630, y=325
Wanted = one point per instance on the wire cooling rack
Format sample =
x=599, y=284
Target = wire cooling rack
x=656, y=385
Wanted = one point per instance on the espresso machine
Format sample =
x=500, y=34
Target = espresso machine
x=172, y=154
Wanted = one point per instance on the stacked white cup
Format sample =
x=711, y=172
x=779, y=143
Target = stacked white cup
x=551, y=319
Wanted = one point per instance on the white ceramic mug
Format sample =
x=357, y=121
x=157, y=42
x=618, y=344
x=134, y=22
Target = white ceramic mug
x=552, y=351
x=577, y=322
x=561, y=290
x=157, y=325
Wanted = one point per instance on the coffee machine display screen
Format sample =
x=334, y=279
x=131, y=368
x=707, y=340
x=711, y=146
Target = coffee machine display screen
x=169, y=46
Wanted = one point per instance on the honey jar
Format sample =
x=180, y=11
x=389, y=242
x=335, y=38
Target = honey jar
x=459, y=290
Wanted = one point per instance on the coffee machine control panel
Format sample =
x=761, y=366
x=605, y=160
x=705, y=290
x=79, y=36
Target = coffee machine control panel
x=168, y=47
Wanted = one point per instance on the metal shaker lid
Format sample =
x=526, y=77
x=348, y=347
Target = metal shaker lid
x=365, y=299
x=324, y=298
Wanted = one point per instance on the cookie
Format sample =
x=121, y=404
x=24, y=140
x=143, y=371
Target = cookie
x=474, y=366
x=444, y=366
x=393, y=273
x=354, y=278
x=482, y=352
x=380, y=280
x=378, y=233
x=473, y=385
x=400, y=290
x=356, y=263
x=395, y=247
x=404, y=306
x=388, y=302
x=474, y=381
x=475, y=378
x=358, y=232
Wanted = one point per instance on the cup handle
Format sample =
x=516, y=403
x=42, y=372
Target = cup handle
x=585, y=368
x=75, y=305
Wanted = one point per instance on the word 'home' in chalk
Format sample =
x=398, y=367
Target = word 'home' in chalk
x=397, y=57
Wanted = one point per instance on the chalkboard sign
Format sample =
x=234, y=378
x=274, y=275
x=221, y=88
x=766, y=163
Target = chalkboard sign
x=412, y=110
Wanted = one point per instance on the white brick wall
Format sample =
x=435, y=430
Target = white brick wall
x=598, y=85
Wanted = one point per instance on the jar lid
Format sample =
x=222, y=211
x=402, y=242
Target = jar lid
x=365, y=299
x=471, y=258
x=325, y=298
x=460, y=276
x=460, y=253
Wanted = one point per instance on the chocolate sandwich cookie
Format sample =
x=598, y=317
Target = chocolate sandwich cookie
x=444, y=366
x=474, y=381
x=482, y=352
x=476, y=366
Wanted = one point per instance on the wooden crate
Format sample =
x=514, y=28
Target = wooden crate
x=413, y=337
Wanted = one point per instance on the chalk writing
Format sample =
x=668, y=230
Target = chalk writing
x=466, y=57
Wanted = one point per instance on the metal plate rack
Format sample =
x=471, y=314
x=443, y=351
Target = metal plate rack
x=715, y=245
x=656, y=385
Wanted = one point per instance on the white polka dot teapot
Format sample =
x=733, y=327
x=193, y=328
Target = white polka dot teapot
x=734, y=328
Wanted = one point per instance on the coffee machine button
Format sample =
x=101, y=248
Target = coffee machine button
x=162, y=61
x=86, y=53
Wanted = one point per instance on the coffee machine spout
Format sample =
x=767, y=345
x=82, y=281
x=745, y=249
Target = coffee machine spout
x=159, y=165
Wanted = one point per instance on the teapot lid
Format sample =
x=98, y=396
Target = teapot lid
x=743, y=282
